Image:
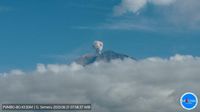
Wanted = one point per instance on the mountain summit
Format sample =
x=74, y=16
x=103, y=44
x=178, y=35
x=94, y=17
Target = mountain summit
x=105, y=56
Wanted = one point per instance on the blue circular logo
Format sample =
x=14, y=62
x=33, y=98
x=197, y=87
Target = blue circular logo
x=189, y=101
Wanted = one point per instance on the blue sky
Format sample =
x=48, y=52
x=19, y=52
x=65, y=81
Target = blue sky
x=56, y=31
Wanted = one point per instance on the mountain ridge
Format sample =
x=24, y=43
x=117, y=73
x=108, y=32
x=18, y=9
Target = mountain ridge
x=105, y=56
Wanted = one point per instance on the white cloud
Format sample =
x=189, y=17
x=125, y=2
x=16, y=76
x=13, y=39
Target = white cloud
x=185, y=13
x=135, y=5
x=149, y=85
x=152, y=15
x=161, y=2
x=166, y=15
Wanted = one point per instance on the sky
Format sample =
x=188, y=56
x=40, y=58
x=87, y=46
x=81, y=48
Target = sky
x=39, y=39
x=54, y=31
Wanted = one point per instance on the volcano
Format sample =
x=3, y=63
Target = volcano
x=105, y=56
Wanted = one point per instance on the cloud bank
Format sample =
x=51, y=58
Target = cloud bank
x=149, y=85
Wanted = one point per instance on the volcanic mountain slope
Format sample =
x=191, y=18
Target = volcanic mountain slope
x=105, y=56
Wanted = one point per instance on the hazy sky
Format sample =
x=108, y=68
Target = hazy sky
x=57, y=31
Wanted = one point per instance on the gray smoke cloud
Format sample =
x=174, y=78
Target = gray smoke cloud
x=98, y=46
x=149, y=85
